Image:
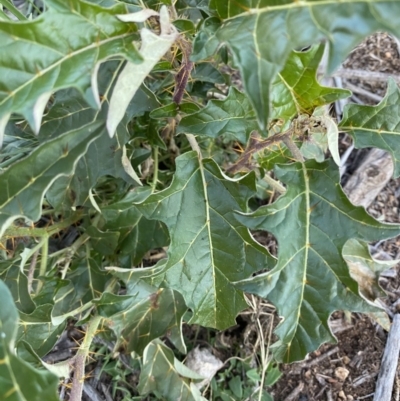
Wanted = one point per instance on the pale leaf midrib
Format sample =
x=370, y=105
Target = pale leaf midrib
x=62, y=60
x=10, y=198
x=303, y=4
x=376, y=131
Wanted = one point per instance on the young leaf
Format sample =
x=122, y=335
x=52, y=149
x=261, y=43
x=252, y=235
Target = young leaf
x=296, y=89
x=262, y=34
x=312, y=221
x=160, y=374
x=376, y=126
x=209, y=249
x=38, y=171
x=18, y=380
x=60, y=49
x=234, y=115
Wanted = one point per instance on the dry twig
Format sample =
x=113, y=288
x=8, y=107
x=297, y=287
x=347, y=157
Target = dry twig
x=387, y=372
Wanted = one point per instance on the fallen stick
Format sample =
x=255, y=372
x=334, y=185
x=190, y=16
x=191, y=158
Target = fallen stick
x=370, y=177
x=349, y=73
x=293, y=395
x=387, y=372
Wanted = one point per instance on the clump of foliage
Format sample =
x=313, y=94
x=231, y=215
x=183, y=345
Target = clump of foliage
x=122, y=132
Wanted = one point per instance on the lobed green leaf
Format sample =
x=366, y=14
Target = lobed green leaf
x=18, y=380
x=261, y=35
x=164, y=374
x=25, y=182
x=60, y=49
x=312, y=222
x=209, y=249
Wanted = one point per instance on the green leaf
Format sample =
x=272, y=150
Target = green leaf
x=206, y=72
x=192, y=9
x=364, y=269
x=236, y=386
x=376, y=126
x=209, y=249
x=18, y=380
x=103, y=242
x=17, y=283
x=296, y=90
x=234, y=115
x=105, y=155
x=138, y=235
x=312, y=221
x=160, y=374
x=37, y=330
x=261, y=35
x=86, y=283
x=273, y=374
x=206, y=42
x=38, y=171
x=60, y=49
x=143, y=315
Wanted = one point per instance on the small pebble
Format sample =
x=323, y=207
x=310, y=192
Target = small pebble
x=350, y=398
x=342, y=395
x=307, y=375
x=341, y=373
x=346, y=360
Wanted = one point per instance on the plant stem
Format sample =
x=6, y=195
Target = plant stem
x=255, y=145
x=264, y=355
x=15, y=231
x=155, y=174
x=294, y=150
x=193, y=143
x=31, y=271
x=80, y=358
x=43, y=263
x=76, y=245
x=274, y=184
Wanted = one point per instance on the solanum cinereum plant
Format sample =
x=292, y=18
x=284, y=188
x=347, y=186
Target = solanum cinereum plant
x=120, y=131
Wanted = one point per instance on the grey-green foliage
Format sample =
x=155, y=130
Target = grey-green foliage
x=144, y=196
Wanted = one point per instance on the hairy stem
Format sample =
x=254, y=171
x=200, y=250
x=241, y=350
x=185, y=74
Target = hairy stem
x=15, y=231
x=294, y=150
x=43, y=263
x=80, y=359
x=182, y=77
x=155, y=174
x=274, y=184
x=31, y=271
x=193, y=143
x=255, y=145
